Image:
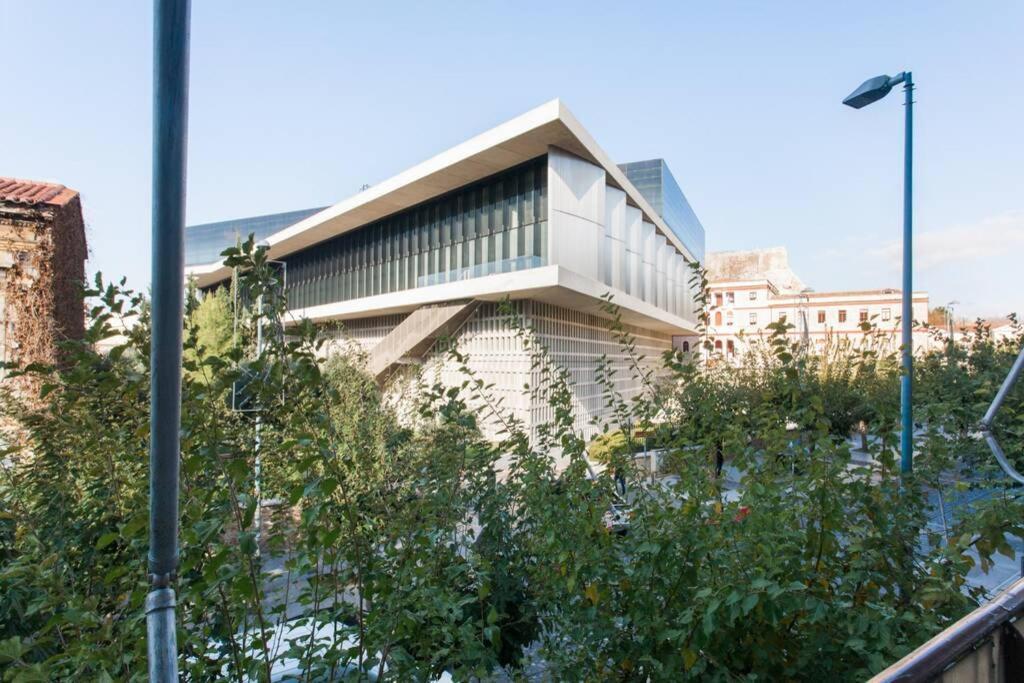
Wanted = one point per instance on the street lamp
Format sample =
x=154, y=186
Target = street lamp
x=949, y=318
x=870, y=91
x=806, y=332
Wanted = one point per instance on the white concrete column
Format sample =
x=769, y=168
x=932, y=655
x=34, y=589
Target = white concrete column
x=615, y=238
x=576, y=213
x=649, y=248
x=634, y=231
x=670, y=273
x=661, y=256
x=681, y=275
x=686, y=307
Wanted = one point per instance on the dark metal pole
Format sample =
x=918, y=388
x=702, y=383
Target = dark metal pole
x=907, y=380
x=170, y=120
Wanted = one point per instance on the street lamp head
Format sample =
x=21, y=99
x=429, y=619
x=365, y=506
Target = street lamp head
x=870, y=91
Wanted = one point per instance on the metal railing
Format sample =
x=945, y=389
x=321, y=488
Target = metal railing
x=986, y=645
x=990, y=418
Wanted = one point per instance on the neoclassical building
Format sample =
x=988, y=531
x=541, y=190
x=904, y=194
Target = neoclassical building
x=750, y=290
x=532, y=210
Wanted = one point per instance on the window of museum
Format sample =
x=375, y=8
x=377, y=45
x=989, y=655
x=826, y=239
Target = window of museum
x=753, y=318
x=863, y=315
x=842, y=315
x=497, y=225
x=730, y=348
x=718, y=299
x=730, y=297
x=728, y=318
x=886, y=314
x=753, y=296
x=718, y=317
x=821, y=316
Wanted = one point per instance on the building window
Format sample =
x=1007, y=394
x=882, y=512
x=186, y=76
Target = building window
x=753, y=295
x=730, y=348
x=863, y=315
x=886, y=314
x=821, y=316
x=728, y=318
x=842, y=315
x=718, y=345
x=730, y=297
x=686, y=347
x=497, y=225
x=718, y=299
x=718, y=317
x=753, y=318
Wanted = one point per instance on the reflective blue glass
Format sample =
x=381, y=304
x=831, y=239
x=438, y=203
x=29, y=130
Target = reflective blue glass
x=656, y=183
x=204, y=243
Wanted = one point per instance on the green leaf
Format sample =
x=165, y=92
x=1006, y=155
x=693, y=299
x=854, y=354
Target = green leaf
x=106, y=539
x=10, y=650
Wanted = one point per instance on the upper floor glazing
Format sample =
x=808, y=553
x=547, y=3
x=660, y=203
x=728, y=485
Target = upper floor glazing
x=496, y=225
x=659, y=187
x=204, y=243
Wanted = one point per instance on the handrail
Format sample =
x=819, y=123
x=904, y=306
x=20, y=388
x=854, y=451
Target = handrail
x=990, y=416
x=952, y=644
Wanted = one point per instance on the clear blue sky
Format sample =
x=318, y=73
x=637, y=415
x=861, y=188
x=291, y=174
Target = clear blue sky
x=297, y=104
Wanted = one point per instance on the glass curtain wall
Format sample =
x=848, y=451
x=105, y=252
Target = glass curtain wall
x=494, y=226
x=204, y=243
x=659, y=187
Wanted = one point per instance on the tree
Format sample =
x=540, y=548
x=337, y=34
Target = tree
x=938, y=317
x=405, y=552
x=211, y=319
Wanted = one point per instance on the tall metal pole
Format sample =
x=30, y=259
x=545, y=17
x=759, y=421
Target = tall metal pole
x=907, y=380
x=170, y=119
x=258, y=468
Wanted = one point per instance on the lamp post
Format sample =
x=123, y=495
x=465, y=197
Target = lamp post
x=870, y=91
x=260, y=346
x=805, y=338
x=950, y=319
x=170, y=124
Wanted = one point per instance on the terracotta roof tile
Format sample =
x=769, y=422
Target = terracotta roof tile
x=32, y=192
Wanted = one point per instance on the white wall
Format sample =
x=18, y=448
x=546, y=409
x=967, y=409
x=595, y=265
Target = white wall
x=576, y=211
x=634, y=221
x=648, y=246
x=594, y=232
x=615, y=238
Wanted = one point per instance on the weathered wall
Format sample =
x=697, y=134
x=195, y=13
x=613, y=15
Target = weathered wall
x=42, y=259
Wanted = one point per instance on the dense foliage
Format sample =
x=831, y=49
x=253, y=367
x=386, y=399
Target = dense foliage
x=403, y=549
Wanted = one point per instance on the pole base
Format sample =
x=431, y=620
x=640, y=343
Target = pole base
x=162, y=638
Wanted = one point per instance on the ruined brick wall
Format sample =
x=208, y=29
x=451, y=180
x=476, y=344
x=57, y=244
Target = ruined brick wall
x=42, y=252
x=68, y=253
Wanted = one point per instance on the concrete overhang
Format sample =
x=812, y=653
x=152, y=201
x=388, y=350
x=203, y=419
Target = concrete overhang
x=549, y=284
x=523, y=138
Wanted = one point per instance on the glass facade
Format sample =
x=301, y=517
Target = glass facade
x=659, y=187
x=494, y=226
x=204, y=243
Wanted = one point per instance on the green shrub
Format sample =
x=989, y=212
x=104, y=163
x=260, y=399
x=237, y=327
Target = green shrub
x=431, y=549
